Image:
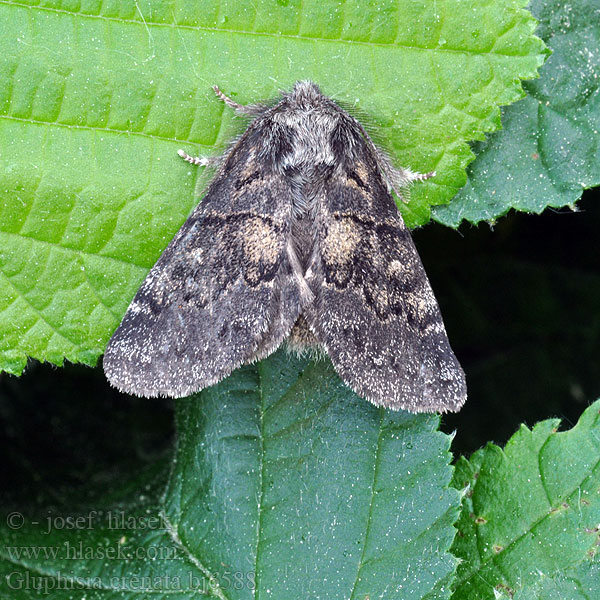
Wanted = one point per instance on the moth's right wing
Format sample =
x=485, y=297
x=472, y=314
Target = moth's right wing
x=220, y=295
x=374, y=310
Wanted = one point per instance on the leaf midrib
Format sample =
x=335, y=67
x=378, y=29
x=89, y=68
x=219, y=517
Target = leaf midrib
x=261, y=486
x=361, y=561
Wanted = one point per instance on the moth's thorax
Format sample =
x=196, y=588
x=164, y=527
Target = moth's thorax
x=304, y=123
x=307, y=120
x=310, y=133
x=307, y=165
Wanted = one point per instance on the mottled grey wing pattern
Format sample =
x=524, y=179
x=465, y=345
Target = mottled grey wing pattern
x=375, y=312
x=220, y=294
x=298, y=230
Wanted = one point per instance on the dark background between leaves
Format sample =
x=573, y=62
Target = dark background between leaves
x=521, y=302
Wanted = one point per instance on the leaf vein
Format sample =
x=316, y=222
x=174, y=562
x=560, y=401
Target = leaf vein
x=276, y=35
x=495, y=557
x=261, y=479
x=377, y=456
x=214, y=584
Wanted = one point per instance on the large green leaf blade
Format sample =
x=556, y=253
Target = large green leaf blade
x=532, y=509
x=284, y=484
x=316, y=492
x=547, y=152
x=95, y=102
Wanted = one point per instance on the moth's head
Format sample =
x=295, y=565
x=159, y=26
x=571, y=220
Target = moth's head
x=306, y=92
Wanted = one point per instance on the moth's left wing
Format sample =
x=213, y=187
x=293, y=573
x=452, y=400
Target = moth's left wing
x=375, y=312
x=222, y=293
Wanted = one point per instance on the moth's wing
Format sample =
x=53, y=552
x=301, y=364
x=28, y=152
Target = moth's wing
x=220, y=295
x=375, y=312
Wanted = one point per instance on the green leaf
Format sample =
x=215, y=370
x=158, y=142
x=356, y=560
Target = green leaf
x=547, y=152
x=113, y=548
x=95, y=100
x=579, y=583
x=283, y=480
x=531, y=510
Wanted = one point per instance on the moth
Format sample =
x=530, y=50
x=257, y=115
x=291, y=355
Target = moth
x=297, y=239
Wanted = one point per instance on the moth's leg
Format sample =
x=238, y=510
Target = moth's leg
x=203, y=161
x=231, y=103
x=411, y=176
x=401, y=177
x=248, y=109
x=398, y=178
